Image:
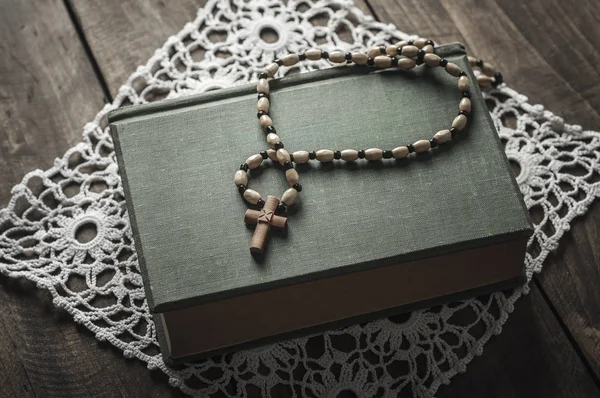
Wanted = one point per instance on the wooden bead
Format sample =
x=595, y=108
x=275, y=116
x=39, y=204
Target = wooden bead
x=251, y=196
x=372, y=53
x=313, y=54
x=391, y=50
x=240, y=177
x=292, y=177
x=488, y=69
x=272, y=154
x=383, y=61
x=254, y=161
x=428, y=49
x=271, y=69
x=410, y=51
x=272, y=139
x=337, y=57
x=400, y=152
x=453, y=69
x=420, y=42
x=290, y=60
x=283, y=156
x=465, y=105
x=443, y=136
x=463, y=83
x=459, y=122
x=265, y=121
x=301, y=156
x=289, y=197
x=421, y=146
x=401, y=43
x=432, y=59
x=324, y=155
x=349, y=155
x=360, y=58
x=373, y=154
x=263, y=104
x=484, y=81
x=472, y=60
x=406, y=63
x=262, y=86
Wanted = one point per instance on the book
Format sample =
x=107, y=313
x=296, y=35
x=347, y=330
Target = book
x=365, y=240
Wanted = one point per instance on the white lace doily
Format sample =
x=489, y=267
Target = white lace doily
x=98, y=280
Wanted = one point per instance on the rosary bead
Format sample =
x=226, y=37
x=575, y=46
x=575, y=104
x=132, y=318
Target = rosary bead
x=244, y=167
x=260, y=113
x=279, y=145
x=373, y=154
x=272, y=154
x=443, y=62
x=324, y=155
x=488, y=69
x=262, y=86
x=254, y=161
x=361, y=154
x=278, y=61
x=262, y=75
x=383, y=61
x=359, y=58
x=463, y=83
x=281, y=208
x=452, y=69
x=337, y=155
x=272, y=139
x=411, y=42
x=410, y=51
x=428, y=49
x=270, y=129
x=290, y=60
x=401, y=44
x=420, y=56
x=264, y=154
x=387, y=154
x=465, y=105
x=479, y=63
x=433, y=142
x=312, y=155
x=459, y=122
x=263, y=104
x=337, y=57
x=300, y=157
x=429, y=42
x=472, y=60
x=324, y=54
x=370, y=61
x=240, y=177
x=349, y=155
x=442, y=136
x=292, y=177
x=498, y=78
x=263, y=95
x=251, y=196
x=372, y=53
x=421, y=146
x=394, y=61
x=272, y=69
x=302, y=57
x=391, y=51
x=420, y=42
x=298, y=187
x=400, y=152
x=288, y=165
x=261, y=203
x=348, y=56
x=466, y=94
x=406, y=63
x=265, y=121
x=289, y=197
x=431, y=59
x=462, y=113
x=241, y=188
x=313, y=54
x=484, y=81
x=453, y=131
x=283, y=156
x=411, y=149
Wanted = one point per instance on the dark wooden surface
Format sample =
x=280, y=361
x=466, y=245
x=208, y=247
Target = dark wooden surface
x=61, y=60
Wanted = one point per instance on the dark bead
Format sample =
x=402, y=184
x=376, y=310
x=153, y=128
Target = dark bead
x=387, y=154
x=278, y=62
x=261, y=113
x=430, y=42
x=302, y=57
x=348, y=56
x=287, y=165
x=411, y=148
x=263, y=95
x=337, y=155
x=278, y=145
x=399, y=49
x=498, y=79
x=263, y=75
x=462, y=113
x=479, y=63
x=382, y=49
x=291, y=157
x=244, y=167
x=261, y=202
x=281, y=208
x=433, y=142
x=453, y=131
x=312, y=155
x=370, y=62
x=271, y=129
x=361, y=154
x=394, y=61
x=411, y=42
x=264, y=154
x=297, y=187
x=466, y=94
x=462, y=73
x=241, y=189
x=420, y=56
x=324, y=54
x=443, y=62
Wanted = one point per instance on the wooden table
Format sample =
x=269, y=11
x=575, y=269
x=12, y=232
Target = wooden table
x=60, y=61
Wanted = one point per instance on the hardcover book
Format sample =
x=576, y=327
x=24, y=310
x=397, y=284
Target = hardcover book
x=366, y=239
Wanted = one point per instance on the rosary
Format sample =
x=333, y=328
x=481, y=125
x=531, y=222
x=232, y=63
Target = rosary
x=404, y=55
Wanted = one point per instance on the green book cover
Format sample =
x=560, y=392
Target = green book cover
x=177, y=159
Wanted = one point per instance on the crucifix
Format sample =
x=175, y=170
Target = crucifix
x=264, y=220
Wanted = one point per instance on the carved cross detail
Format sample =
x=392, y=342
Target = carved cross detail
x=264, y=220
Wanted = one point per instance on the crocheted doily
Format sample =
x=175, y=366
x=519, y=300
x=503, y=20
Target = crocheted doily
x=97, y=279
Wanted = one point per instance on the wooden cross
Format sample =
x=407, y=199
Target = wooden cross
x=264, y=220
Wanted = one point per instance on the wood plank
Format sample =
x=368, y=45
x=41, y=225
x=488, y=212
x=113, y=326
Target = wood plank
x=47, y=92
